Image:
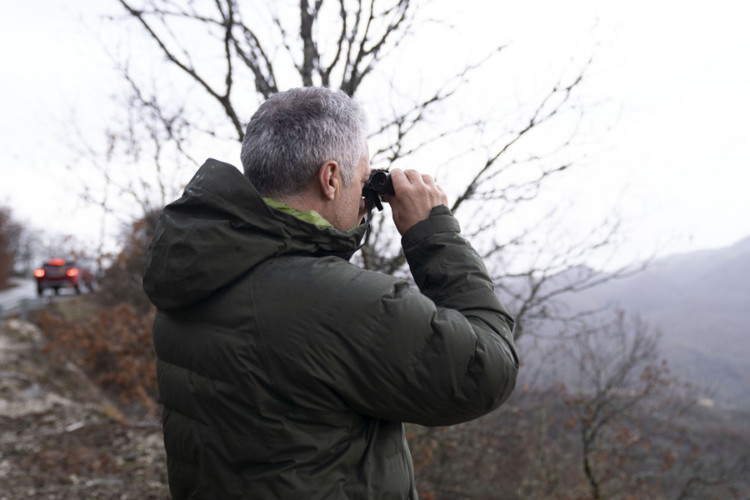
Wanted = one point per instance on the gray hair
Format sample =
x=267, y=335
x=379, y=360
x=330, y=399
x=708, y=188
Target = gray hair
x=293, y=133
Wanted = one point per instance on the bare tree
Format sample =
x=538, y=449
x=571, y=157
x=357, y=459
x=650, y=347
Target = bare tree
x=571, y=438
x=200, y=68
x=10, y=237
x=610, y=422
x=717, y=476
x=122, y=281
x=619, y=396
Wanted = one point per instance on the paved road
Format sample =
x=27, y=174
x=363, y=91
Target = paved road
x=22, y=293
x=21, y=289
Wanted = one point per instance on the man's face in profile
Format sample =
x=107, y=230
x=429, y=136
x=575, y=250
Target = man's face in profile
x=355, y=203
x=350, y=206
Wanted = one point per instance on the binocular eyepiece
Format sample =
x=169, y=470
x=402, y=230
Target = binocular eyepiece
x=377, y=186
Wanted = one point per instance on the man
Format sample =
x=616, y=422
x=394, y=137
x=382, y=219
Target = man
x=287, y=372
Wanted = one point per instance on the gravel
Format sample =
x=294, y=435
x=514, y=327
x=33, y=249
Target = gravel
x=62, y=438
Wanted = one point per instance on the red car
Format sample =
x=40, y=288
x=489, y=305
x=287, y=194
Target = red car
x=59, y=273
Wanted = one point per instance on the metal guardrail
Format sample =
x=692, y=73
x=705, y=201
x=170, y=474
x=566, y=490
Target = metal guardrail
x=21, y=307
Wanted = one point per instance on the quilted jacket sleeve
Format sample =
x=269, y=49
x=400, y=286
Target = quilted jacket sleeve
x=443, y=354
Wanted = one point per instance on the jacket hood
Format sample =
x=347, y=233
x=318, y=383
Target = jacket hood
x=219, y=230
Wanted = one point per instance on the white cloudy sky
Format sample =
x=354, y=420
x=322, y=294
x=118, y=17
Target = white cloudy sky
x=678, y=73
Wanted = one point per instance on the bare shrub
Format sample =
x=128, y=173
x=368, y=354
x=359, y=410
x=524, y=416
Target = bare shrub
x=113, y=347
x=122, y=281
x=10, y=232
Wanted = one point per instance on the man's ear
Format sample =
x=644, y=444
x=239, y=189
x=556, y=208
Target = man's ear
x=329, y=179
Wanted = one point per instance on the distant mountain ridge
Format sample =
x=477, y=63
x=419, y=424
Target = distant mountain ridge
x=700, y=301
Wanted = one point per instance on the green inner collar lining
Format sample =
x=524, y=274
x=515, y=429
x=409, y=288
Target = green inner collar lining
x=309, y=216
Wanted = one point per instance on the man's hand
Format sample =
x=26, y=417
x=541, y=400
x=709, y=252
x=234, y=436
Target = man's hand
x=416, y=195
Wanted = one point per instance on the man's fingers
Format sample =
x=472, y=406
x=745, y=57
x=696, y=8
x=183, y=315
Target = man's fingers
x=398, y=178
x=413, y=176
x=416, y=195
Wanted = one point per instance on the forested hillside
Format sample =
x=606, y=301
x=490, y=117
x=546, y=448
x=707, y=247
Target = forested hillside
x=700, y=303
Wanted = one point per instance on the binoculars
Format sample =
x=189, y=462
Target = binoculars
x=377, y=186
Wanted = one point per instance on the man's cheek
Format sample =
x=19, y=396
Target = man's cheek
x=362, y=211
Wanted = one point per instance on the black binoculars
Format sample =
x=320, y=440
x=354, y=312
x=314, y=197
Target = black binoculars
x=377, y=186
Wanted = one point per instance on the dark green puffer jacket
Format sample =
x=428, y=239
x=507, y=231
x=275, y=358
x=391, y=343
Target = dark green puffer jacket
x=286, y=372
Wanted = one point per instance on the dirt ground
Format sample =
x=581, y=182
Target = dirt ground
x=61, y=438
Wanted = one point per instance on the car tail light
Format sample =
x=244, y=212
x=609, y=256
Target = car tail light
x=56, y=262
x=39, y=273
x=72, y=272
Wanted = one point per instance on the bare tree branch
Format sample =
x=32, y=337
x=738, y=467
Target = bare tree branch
x=223, y=99
x=539, y=116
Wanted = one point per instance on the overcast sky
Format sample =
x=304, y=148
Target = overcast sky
x=678, y=73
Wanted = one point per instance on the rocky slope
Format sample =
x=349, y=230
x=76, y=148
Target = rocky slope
x=61, y=438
